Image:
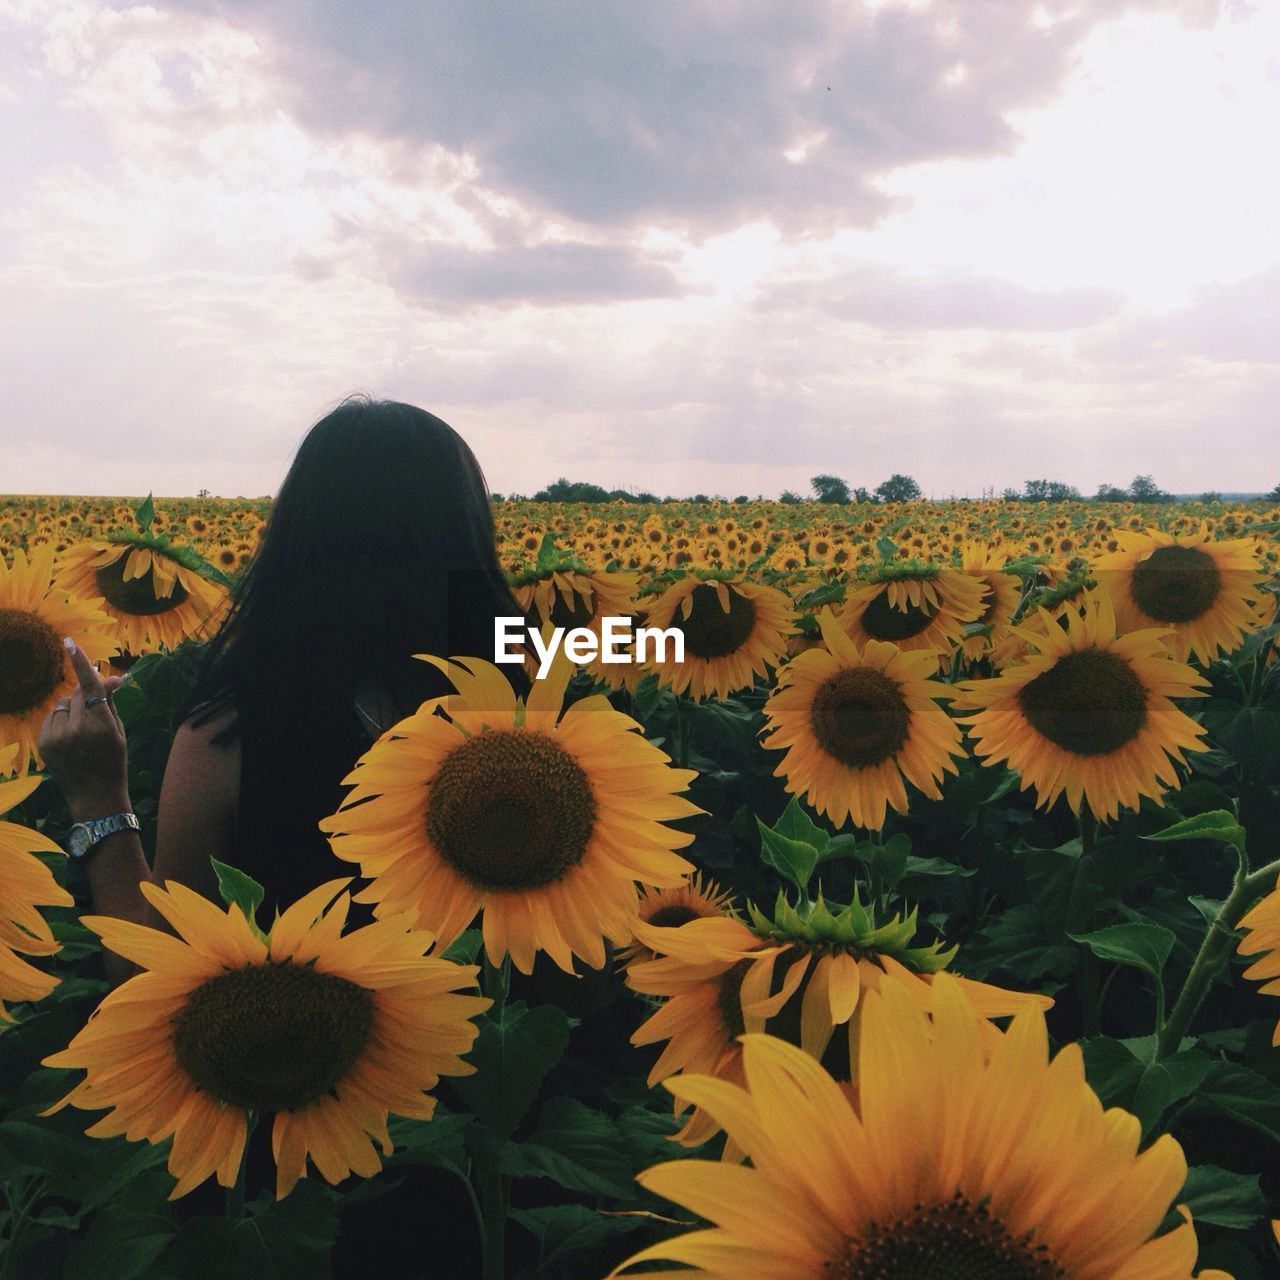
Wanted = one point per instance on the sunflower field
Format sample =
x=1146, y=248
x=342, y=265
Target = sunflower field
x=922, y=923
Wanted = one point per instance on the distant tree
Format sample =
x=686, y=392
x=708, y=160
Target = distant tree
x=204, y=493
x=862, y=495
x=740, y=499
x=1274, y=495
x=1145, y=489
x=830, y=489
x=789, y=496
x=1212, y=496
x=1012, y=495
x=645, y=496
x=495, y=497
x=699, y=497
x=1049, y=491
x=898, y=488
x=563, y=490
x=1111, y=493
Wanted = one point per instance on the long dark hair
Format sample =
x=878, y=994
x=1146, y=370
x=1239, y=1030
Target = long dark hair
x=379, y=545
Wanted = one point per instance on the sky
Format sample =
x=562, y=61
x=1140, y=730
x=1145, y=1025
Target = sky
x=679, y=245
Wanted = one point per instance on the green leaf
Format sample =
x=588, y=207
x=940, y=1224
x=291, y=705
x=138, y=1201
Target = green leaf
x=512, y=1054
x=795, y=824
x=36, y=1148
x=121, y=1244
x=887, y=550
x=1112, y=1070
x=1223, y=1198
x=570, y=1232
x=548, y=557
x=1243, y=1095
x=238, y=889
x=144, y=513
x=440, y=1141
x=794, y=845
x=465, y=947
x=889, y=860
x=1250, y=734
x=577, y=1147
x=1215, y=825
x=1145, y=946
x=1153, y=1094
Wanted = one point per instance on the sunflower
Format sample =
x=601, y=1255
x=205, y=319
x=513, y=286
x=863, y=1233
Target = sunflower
x=575, y=597
x=1262, y=934
x=733, y=631
x=1090, y=714
x=330, y=1032
x=35, y=670
x=1202, y=591
x=914, y=606
x=150, y=589
x=855, y=722
x=25, y=884
x=1003, y=593
x=481, y=801
x=695, y=899
x=952, y=1165
x=799, y=974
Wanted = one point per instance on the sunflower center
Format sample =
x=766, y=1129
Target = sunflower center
x=1176, y=584
x=672, y=917
x=511, y=810
x=272, y=1037
x=859, y=717
x=729, y=998
x=1090, y=703
x=138, y=595
x=577, y=614
x=958, y=1240
x=710, y=632
x=881, y=621
x=31, y=661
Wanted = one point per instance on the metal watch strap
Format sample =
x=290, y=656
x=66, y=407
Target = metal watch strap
x=100, y=828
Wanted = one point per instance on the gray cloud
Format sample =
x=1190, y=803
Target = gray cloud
x=547, y=274
x=677, y=110
x=891, y=300
x=1235, y=323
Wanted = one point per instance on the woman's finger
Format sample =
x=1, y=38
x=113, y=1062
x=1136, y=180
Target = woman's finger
x=90, y=682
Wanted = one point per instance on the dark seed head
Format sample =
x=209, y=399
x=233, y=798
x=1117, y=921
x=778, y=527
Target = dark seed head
x=1090, y=703
x=511, y=810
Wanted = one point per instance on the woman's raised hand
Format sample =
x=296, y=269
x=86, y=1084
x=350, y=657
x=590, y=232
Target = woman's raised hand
x=82, y=741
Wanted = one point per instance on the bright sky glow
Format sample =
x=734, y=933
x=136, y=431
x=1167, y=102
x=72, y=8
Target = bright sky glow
x=704, y=246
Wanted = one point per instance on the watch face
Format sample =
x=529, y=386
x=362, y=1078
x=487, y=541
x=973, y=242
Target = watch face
x=79, y=840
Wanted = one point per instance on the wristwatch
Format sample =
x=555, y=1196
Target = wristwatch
x=84, y=835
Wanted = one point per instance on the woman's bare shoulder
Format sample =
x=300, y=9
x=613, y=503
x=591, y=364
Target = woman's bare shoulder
x=199, y=799
x=199, y=758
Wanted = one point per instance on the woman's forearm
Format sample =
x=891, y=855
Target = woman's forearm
x=116, y=868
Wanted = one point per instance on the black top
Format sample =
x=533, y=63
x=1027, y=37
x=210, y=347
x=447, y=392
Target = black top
x=284, y=793
x=282, y=801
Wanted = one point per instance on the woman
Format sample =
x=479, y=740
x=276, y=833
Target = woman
x=380, y=545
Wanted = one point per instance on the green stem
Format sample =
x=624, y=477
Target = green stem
x=497, y=980
x=1213, y=953
x=235, y=1192
x=494, y=1196
x=1259, y=672
x=1080, y=920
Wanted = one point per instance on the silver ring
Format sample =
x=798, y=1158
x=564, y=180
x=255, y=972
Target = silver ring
x=58, y=708
x=92, y=702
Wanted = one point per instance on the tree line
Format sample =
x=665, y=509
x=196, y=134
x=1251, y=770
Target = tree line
x=897, y=488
